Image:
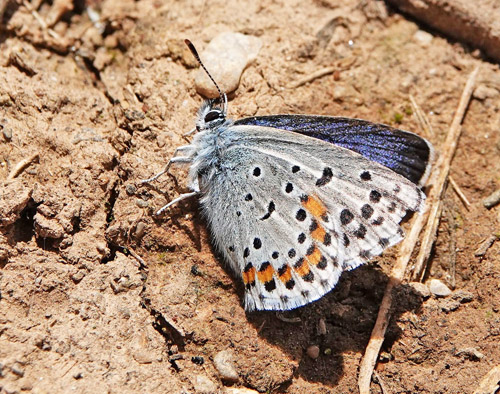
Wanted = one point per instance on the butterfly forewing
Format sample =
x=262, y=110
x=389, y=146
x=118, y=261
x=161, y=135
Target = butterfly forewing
x=405, y=153
x=302, y=211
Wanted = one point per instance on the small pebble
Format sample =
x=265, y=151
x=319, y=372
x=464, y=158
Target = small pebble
x=238, y=390
x=7, y=133
x=313, y=351
x=423, y=37
x=140, y=230
x=462, y=296
x=77, y=276
x=77, y=375
x=223, y=362
x=143, y=357
x=492, y=200
x=321, y=327
x=130, y=189
x=438, y=288
x=470, y=353
x=449, y=305
x=225, y=57
x=141, y=203
x=204, y=385
x=420, y=289
x=482, y=92
x=198, y=360
x=16, y=370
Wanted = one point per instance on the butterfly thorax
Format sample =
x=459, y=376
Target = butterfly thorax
x=208, y=145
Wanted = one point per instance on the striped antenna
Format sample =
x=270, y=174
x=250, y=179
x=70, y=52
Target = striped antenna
x=223, y=96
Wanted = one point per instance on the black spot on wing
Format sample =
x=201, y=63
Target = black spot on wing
x=326, y=177
x=270, y=209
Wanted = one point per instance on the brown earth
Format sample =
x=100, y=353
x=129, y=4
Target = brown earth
x=99, y=106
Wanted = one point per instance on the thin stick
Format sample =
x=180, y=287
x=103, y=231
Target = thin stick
x=421, y=118
x=396, y=277
x=141, y=261
x=22, y=165
x=380, y=382
x=405, y=252
x=41, y=22
x=429, y=235
x=343, y=64
x=440, y=176
x=486, y=244
x=459, y=192
x=452, y=248
x=311, y=77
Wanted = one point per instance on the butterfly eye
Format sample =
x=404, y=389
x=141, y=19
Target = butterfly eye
x=213, y=115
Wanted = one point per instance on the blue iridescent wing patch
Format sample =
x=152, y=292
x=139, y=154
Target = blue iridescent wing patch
x=403, y=152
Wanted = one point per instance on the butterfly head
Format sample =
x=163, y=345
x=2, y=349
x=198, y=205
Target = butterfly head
x=211, y=115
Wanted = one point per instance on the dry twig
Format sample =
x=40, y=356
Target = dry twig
x=459, y=192
x=311, y=77
x=22, y=165
x=380, y=382
x=486, y=244
x=421, y=118
x=408, y=244
x=344, y=64
x=43, y=24
x=452, y=247
x=440, y=174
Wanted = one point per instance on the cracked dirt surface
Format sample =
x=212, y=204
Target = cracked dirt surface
x=104, y=104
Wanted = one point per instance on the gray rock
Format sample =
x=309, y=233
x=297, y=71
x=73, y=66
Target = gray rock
x=449, y=305
x=223, y=362
x=463, y=296
x=438, y=288
x=225, y=57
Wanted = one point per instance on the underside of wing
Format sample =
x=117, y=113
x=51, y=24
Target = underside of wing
x=403, y=152
x=291, y=213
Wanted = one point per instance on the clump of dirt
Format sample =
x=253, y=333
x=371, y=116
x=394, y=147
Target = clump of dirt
x=99, y=99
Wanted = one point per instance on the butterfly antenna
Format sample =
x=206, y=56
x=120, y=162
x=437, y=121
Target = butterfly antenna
x=223, y=96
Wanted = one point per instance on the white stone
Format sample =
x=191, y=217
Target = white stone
x=225, y=57
x=438, y=288
x=423, y=37
x=223, y=362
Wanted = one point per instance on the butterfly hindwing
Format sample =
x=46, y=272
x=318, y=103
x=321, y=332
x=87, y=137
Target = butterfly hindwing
x=302, y=211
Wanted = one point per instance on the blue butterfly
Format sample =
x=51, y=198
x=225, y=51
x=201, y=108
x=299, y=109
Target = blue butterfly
x=292, y=201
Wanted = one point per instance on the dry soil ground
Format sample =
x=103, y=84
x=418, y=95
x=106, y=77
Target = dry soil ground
x=98, y=105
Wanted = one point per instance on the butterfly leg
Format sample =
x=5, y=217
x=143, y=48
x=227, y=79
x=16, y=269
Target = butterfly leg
x=176, y=200
x=173, y=160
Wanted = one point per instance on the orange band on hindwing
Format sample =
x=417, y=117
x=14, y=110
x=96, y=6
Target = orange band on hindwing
x=314, y=206
x=249, y=275
x=265, y=273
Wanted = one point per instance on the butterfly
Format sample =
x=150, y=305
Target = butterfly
x=292, y=201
